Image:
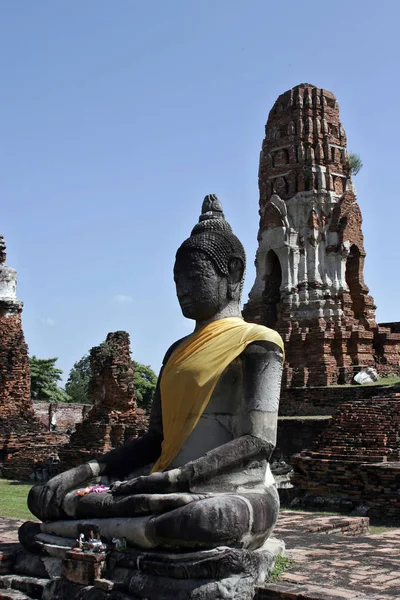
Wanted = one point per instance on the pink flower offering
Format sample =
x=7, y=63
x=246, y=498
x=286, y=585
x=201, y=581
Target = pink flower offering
x=97, y=489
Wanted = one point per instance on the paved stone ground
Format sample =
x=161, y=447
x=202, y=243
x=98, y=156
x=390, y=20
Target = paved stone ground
x=335, y=566
x=9, y=529
x=328, y=565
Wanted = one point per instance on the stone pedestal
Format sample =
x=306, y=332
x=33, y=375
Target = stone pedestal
x=83, y=567
x=133, y=574
x=203, y=575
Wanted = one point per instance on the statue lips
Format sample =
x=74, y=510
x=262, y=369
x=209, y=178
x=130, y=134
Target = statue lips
x=187, y=309
x=185, y=302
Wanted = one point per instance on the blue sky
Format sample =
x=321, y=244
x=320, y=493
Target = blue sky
x=118, y=117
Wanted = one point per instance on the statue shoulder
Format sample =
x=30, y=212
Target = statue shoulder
x=172, y=348
x=263, y=348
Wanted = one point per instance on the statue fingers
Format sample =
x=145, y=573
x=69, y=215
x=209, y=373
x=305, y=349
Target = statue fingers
x=145, y=484
x=133, y=486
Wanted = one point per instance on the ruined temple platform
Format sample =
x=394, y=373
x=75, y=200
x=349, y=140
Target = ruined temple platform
x=335, y=559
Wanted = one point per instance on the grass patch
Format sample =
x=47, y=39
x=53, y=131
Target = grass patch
x=376, y=529
x=313, y=511
x=281, y=564
x=13, y=495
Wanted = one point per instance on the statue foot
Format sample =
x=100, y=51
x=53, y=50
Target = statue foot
x=26, y=536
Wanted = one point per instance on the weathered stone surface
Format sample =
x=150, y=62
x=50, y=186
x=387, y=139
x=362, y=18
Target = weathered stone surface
x=83, y=567
x=310, y=260
x=208, y=575
x=204, y=575
x=32, y=565
x=31, y=586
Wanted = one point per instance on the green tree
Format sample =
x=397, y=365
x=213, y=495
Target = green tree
x=78, y=381
x=44, y=378
x=145, y=381
x=355, y=163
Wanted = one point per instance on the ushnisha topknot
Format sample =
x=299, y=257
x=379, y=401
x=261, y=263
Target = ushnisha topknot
x=213, y=235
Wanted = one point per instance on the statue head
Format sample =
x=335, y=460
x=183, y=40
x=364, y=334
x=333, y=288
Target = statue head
x=210, y=266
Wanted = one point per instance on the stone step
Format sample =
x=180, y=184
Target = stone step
x=31, y=586
x=8, y=594
x=327, y=456
x=345, y=451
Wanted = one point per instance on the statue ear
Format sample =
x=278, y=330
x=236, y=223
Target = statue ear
x=236, y=269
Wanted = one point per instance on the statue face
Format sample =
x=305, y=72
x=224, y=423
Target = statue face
x=202, y=291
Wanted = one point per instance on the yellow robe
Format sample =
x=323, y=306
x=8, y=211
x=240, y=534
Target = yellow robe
x=191, y=374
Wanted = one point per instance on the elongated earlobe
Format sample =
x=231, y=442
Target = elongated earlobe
x=236, y=270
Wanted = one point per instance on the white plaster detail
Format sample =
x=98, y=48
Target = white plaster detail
x=312, y=263
x=8, y=284
x=278, y=175
x=280, y=148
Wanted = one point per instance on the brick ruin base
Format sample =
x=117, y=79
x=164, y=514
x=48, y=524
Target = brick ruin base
x=324, y=401
x=356, y=459
x=114, y=417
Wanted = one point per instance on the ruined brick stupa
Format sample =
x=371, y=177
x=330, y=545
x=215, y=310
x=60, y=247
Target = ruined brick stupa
x=114, y=417
x=15, y=399
x=310, y=259
x=24, y=442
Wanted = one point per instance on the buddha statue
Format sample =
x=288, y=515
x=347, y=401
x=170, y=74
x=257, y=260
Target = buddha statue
x=200, y=477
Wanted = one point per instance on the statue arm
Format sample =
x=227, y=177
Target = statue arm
x=255, y=426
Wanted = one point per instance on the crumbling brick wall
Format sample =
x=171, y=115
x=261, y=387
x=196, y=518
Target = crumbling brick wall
x=61, y=417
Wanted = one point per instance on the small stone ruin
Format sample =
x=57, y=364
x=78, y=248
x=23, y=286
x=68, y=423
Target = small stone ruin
x=114, y=417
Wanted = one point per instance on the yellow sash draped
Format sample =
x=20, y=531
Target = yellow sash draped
x=191, y=374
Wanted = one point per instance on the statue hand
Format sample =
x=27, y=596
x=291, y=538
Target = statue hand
x=156, y=483
x=45, y=501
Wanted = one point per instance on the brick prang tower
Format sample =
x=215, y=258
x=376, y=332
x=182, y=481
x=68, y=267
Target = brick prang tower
x=310, y=259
